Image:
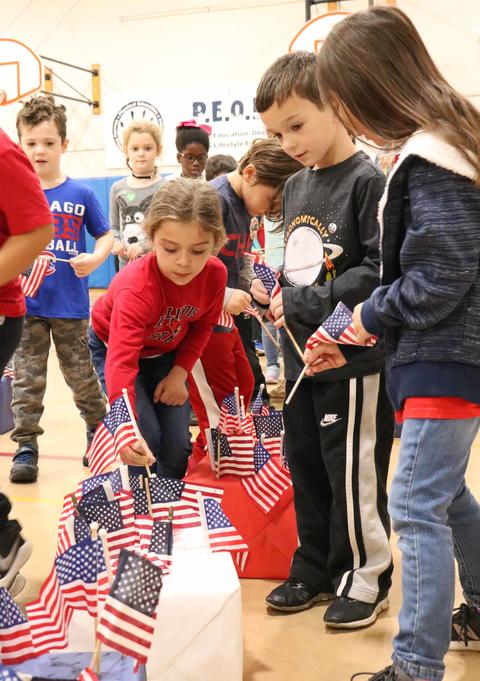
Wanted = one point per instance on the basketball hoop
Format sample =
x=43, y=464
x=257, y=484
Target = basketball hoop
x=21, y=72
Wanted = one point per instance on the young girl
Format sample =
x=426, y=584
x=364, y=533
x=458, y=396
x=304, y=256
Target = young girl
x=151, y=326
x=428, y=307
x=192, y=142
x=130, y=197
x=254, y=188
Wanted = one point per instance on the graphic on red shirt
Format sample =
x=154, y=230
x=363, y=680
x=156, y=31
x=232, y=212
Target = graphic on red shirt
x=169, y=324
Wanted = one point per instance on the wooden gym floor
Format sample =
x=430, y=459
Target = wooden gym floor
x=276, y=647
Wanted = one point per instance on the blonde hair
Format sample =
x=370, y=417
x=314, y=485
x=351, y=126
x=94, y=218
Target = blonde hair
x=143, y=126
x=187, y=200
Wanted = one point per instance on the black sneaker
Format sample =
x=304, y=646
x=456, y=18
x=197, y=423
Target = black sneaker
x=348, y=613
x=465, y=629
x=12, y=560
x=25, y=464
x=391, y=673
x=90, y=434
x=294, y=595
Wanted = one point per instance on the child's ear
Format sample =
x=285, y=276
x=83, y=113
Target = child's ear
x=249, y=174
x=64, y=145
x=179, y=158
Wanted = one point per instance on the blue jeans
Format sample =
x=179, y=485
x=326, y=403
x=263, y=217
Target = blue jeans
x=165, y=428
x=435, y=517
x=271, y=350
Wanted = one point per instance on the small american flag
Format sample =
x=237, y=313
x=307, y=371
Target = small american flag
x=269, y=430
x=226, y=320
x=181, y=498
x=114, y=432
x=222, y=535
x=15, y=636
x=49, y=616
x=156, y=542
x=337, y=328
x=31, y=279
x=236, y=453
x=260, y=406
x=82, y=575
x=268, y=277
x=128, y=619
x=269, y=482
x=228, y=415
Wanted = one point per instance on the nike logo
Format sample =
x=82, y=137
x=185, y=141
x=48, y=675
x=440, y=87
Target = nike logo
x=328, y=419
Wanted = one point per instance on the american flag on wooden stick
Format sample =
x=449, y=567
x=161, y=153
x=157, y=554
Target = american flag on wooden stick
x=269, y=278
x=114, y=432
x=32, y=278
x=269, y=482
x=236, y=453
x=15, y=636
x=337, y=328
x=128, y=619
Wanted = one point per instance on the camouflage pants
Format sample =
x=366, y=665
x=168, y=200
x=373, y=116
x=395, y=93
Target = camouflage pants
x=31, y=358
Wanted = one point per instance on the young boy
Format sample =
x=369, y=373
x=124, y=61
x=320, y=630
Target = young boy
x=339, y=428
x=60, y=308
x=25, y=229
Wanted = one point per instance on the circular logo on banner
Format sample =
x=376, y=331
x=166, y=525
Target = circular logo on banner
x=134, y=111
x=312, y=34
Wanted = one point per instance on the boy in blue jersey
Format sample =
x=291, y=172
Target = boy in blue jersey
x=60, y=308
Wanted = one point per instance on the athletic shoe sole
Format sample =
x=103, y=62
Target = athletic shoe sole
x=17, y=586
x=321, y=597
x=473, y=646
x=21, y=557
x=357, y=624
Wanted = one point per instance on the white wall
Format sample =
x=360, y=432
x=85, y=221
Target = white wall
x=156, y=44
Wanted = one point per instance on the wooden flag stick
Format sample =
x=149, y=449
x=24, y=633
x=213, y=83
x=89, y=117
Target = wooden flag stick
x=149, y=498
x=282, y=455
x=258, y=317
x=217, y=462
x=237, y=402
x=96, y=656
x=294, y=342
x=135, y=428
x=242, y=406
x=299, y=380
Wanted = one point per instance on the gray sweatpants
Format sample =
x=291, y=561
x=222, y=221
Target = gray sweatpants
x=31, y=358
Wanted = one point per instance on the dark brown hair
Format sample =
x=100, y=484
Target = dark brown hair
x=39, y=109
x=375, y=63
x=219, y=164
x=186, y=200
x=292, y=74
x=273, y=167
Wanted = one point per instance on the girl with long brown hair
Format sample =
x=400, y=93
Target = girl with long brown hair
x=376, y=73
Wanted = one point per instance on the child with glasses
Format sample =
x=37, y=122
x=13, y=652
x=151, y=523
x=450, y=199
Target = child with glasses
x=130, y=197
x=192, y=142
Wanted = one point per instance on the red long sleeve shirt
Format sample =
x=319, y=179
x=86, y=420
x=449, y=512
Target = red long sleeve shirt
x=144, y=314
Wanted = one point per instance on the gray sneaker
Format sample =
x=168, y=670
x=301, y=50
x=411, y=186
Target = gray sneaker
x=25, y=464
x=11, y=563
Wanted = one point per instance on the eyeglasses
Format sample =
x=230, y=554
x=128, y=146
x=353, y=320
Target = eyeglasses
x=190, y=158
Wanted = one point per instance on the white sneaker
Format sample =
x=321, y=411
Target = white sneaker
x=272, y=374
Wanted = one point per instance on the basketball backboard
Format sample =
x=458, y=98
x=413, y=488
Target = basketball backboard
x=21, y=70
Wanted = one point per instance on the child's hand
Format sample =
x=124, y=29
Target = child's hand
x=259, y=292
x=119, y=249
x=276, y=310
x=84, y=264
x=238, y=302
x=362, y=334
x=171, y=390
x=324, y=356
x=133, y=251
x=137, y=455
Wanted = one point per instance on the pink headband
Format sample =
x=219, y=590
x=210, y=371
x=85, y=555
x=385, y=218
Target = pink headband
x=193, y=124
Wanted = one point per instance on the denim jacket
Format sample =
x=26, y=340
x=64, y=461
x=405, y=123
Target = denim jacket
x=428, y=305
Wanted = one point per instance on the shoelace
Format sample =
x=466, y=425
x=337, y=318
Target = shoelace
x=25, y=458
x=460, y=617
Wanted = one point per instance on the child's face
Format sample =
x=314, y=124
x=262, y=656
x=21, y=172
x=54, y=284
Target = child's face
x=193, y=160
x=258, y=198
x=182, y=250
x=141, y=152
x=305, y=132
x=44, y=147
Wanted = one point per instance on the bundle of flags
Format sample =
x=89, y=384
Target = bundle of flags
x=337, y=328
x=32, y=278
